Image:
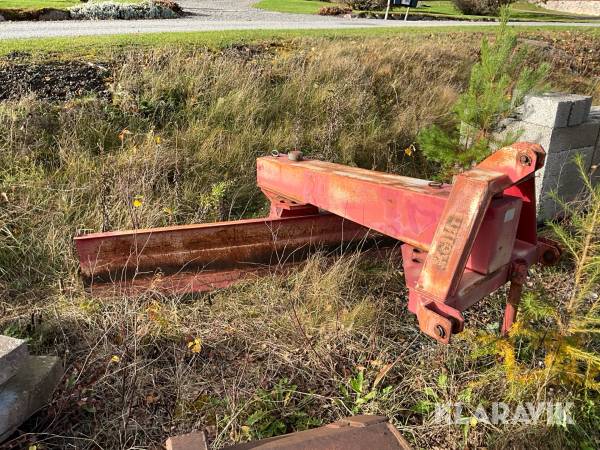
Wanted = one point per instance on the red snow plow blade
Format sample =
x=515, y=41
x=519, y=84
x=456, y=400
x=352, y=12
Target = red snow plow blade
x=460, y=242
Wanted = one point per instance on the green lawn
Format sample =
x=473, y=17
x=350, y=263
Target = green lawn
x=97, y=46
x=36, y=4
x=520, y=10
x=292, y=6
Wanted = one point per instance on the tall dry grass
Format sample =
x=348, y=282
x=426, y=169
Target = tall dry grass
x=179, y=138
x=184, y=129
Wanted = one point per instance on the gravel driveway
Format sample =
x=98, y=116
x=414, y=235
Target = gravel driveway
x=207, y=15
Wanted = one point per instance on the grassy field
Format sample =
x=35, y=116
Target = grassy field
x=292, y=6
x=178, y=124
x=99, y=46
x=519, y=10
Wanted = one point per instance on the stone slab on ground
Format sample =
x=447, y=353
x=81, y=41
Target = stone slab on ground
x=13, y=354
x=190, y=441
x=27, y=391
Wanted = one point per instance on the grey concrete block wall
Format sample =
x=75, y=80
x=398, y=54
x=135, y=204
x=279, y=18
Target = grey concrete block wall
x=546, y=110
x=566, y=125
x=556, y=110
x=580, y=110
x=595, y=166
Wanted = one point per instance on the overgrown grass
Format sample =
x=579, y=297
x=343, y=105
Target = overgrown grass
x=180, y=137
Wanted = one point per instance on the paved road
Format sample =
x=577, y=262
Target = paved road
x=207, y=15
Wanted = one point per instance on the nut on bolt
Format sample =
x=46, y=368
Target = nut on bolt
x=440, y=331
x=525, y=160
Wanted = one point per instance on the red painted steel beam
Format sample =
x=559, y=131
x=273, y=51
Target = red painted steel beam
x=407, y=209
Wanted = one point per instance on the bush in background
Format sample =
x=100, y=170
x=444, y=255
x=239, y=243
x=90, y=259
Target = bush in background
x=174, y=6
x=17, y=14
x=367, y=5
x=481, y=7
x=334, y=10
x=122, y=11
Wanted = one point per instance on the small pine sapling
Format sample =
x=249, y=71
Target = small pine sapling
x=498, y=84
x=555, y=342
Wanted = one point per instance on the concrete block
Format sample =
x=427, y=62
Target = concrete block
x=527, y=132
x=27, y=391
x=556, y=110
x=579, y=136
x=13, y=354
x=561, y=164
x=555, y=140
x=594, y=113
x=549, y=110
x=191, y=441
x=561, y=176
x=582, y=104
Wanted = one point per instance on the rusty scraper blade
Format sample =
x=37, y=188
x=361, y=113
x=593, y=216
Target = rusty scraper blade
x=352, y=433
x=197, y=258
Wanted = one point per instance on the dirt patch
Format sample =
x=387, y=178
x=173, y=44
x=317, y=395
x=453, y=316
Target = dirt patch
x=14, y=14
x=53, y=80
x=571, y=51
